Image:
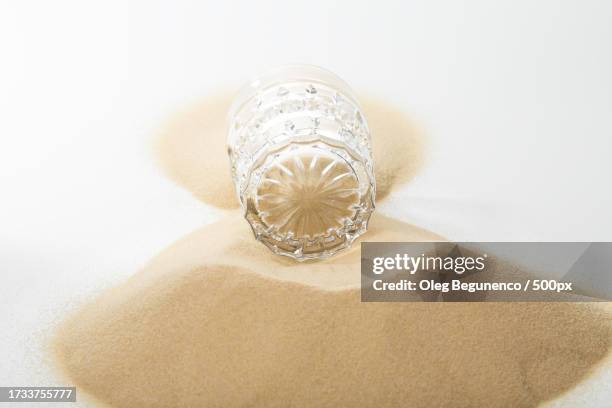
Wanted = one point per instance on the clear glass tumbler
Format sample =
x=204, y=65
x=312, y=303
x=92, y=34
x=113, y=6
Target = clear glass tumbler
x=301, y=161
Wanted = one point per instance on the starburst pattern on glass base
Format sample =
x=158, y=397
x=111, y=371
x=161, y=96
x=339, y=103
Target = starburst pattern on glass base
x=308, y=195
x=309, y=201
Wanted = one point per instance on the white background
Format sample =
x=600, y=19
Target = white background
x=516, y=97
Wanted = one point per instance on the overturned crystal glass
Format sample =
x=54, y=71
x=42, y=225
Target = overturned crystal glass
x=301, y=161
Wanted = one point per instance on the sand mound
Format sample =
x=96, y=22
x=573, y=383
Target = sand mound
x=208, y=323
x=192, y=151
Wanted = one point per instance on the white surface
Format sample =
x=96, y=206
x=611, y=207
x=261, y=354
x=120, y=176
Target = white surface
x=516, y=97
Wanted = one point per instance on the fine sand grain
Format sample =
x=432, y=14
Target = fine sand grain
x=216, y=320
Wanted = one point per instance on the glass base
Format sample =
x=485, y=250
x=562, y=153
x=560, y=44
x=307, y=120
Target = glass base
x=309, y=200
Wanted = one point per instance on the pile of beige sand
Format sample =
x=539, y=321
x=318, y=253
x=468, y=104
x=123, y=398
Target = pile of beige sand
x=216, y=320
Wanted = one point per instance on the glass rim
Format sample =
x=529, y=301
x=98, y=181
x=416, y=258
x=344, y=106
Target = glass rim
x=286, y=74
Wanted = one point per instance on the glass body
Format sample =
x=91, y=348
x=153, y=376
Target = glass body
x=301, y=161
